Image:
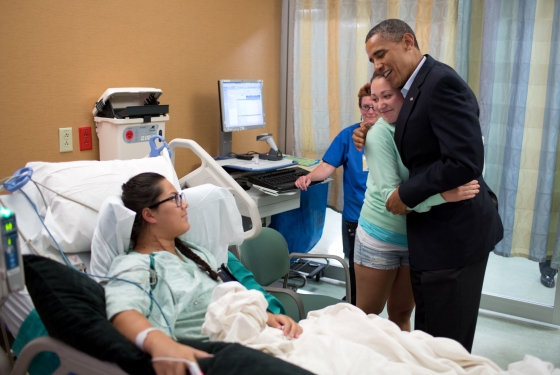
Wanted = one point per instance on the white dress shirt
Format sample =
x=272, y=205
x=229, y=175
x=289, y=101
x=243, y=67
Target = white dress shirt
x=408, y=83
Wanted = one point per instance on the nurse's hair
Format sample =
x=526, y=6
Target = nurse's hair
x=142, y=191
x=393, y=30
x=365, y=90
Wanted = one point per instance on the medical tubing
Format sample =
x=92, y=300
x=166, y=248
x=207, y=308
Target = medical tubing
x=18, y=180
x=63, y=196
x=98, y=276
x=152, y=272
x=40, y=192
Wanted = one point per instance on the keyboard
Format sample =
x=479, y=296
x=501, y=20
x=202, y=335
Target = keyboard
x=280, y=179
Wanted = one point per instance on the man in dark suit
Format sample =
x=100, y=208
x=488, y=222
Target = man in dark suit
x=439, y=140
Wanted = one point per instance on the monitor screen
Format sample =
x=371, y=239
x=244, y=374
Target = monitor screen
x=241, y=105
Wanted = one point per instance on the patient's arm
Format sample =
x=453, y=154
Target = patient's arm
x=157, y=344
x=247, y=279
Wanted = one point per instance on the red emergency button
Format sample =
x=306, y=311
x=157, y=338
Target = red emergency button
x=129, y=135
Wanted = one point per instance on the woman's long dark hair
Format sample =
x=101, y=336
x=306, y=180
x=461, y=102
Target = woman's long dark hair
x=142, y=191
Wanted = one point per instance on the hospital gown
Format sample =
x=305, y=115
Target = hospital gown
x=182, y=290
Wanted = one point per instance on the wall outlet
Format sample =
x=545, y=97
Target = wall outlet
x=84, y=135
x=65, y=139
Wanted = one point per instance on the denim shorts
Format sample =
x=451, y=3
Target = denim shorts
x=381, y=260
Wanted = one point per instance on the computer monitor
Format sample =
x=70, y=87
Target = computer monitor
x=241, y=108
x=241, y=105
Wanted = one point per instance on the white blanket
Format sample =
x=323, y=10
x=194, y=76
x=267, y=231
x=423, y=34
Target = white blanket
x=341, y=339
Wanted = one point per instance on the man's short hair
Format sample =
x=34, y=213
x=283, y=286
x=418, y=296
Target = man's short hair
x=392, y=30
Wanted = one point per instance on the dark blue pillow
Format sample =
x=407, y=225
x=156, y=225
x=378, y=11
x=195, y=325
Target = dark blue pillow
x=72, y=308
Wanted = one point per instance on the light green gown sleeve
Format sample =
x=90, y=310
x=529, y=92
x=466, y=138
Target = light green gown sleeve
x=247, y=279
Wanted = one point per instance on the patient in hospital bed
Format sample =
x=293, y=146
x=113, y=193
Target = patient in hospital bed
x=337, y=340
x=179, y=276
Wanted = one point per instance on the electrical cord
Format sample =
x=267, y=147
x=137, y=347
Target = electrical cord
x=68, y=263
x=61, y=195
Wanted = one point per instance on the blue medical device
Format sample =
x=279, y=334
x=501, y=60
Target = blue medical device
x=11, y=264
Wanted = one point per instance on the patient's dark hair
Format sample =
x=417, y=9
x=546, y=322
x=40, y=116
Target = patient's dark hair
x=142, y=191
x=393, y=30
x=376, y=75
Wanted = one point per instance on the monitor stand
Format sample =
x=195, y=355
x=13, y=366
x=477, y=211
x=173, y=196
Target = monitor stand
x=225, y=143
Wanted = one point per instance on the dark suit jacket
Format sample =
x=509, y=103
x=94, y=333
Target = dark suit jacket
x=439, y=139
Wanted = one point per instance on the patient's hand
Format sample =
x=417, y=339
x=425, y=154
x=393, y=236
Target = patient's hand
x=159, y=345
x=463, y=192
x=285, y=323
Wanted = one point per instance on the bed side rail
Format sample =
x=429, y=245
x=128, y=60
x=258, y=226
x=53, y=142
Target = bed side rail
x=71, y=360
x=210, y=172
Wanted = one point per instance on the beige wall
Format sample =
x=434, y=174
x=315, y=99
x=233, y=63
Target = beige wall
x=58, y=57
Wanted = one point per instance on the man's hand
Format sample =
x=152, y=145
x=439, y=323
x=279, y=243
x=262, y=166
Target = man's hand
x=359, y=135
x=394, y=204
x=285, y=323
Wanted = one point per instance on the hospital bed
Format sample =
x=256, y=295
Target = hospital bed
x=53, y=209
x=74, y=361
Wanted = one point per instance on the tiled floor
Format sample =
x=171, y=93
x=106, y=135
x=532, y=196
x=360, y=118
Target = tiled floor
x=502, y=339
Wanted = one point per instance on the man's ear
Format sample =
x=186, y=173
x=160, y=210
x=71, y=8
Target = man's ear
x=408, y=40
x=148, y=216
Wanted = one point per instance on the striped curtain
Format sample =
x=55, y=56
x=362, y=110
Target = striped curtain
x=508, y=51
x=330, y=63
x=514, y=68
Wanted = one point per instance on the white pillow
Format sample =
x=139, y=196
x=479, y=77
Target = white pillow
x=215, y=220
x=111, y=236
x=88, y=182
x=213, y=215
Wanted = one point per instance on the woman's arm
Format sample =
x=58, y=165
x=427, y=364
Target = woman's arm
x=321, y=172
x=157, y=344
x=275, y=307
x=461, y=193
x=247, y=279
x=383, y=161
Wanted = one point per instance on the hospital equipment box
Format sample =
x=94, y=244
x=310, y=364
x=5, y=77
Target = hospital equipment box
x=125, y=120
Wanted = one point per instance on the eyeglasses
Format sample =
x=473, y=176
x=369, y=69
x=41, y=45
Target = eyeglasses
x=179, y=199
x=367, y=107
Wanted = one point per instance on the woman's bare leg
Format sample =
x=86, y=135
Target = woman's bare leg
x=401, y=300
x=373, y=287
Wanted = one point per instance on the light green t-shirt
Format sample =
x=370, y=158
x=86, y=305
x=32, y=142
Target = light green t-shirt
x=386, y=172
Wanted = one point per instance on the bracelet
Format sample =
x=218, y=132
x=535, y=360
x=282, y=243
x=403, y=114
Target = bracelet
x=141, y=337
